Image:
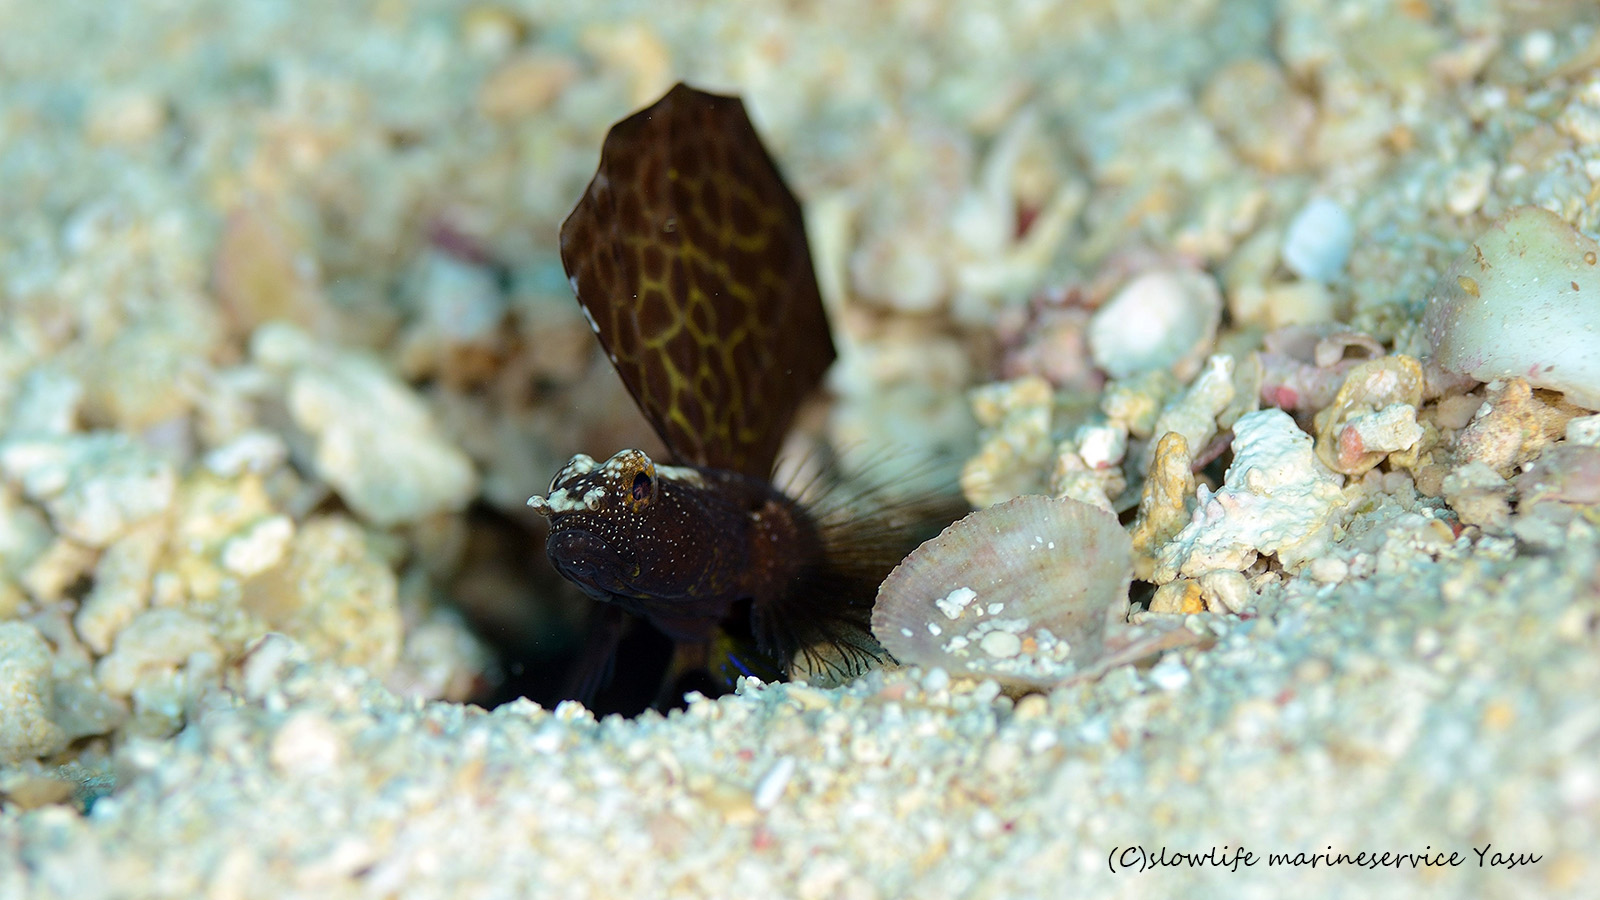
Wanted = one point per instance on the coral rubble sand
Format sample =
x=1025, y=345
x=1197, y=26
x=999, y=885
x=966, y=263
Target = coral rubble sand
x=284, y=323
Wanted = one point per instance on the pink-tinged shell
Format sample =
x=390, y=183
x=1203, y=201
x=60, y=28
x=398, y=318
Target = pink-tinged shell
x=1022, y=592
x=1303, y=366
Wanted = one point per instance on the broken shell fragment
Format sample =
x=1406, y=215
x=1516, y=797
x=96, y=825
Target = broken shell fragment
x=1373, y=415
x=1303, y=367
x=1022, y=592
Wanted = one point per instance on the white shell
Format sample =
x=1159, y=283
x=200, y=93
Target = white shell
x=1523, y=300
x=1166, y=319
x=1021, y=592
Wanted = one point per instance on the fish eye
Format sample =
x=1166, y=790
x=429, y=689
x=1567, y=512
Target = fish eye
x=641, y=488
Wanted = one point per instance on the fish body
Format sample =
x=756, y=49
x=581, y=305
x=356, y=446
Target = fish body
x=688, y=256
x=681, y=546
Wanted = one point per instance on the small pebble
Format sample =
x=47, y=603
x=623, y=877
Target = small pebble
x=1584, y=430
x=306, y=743
x=27, y=696
x=1170, y=673
x=259, y=548
x=769, y=790
x=956, y=601
x=1318, y=241
x=1001, y=644
x=1329, y=571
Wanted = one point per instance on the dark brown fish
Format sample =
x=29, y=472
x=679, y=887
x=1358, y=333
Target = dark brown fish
x=688, y=255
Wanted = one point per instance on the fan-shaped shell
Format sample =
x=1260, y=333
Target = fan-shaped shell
x=1021, y=592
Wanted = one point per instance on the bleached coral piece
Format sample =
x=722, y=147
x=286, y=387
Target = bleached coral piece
x=375, y=440
x=95, y=486
x=441, y=658
x=334, y=594
x=46, y=404
x=1276, y=498
x=1135, y=403
x=51, y=573
x=255, y=451
x=1101, y=445
x=1015, y=448
x=1163, y=502
x=121, y=586
x=27, y=694
x=1511, y=428
x=1086, y=486
x=1086, y=467
x=1479, y=496
x=1389, y=429
x=1194, y=413
x=154, y=645
x=259, y=547
x=1225, y=591
x=24, y=536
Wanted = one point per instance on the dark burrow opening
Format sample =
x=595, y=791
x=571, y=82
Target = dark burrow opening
x=534, y=621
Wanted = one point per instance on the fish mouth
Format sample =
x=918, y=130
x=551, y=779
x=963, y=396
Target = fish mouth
x=587, y=560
